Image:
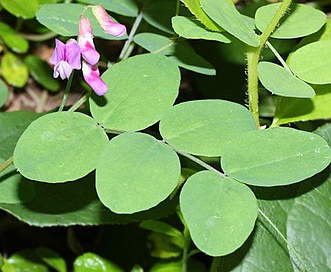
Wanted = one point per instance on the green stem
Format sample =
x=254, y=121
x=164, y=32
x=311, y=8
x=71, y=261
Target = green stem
x=279, y=57
x=177, y=7
x=133, y=31
x=40, y=37
x=253, y=57
x=186, y=248
x=66, y=92
x=6, y=164
x=80, y=102
x=198, y=161
x=215, y=264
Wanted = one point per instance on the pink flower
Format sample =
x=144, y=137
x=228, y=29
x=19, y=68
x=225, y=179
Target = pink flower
x=66, y=57
x=106, y=23
x=91, y=75
x=85, y=41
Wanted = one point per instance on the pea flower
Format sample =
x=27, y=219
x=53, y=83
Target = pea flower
x=106, y=23
x=91, y=75
x=91, y=57
x=85, y=41
x=66, y=57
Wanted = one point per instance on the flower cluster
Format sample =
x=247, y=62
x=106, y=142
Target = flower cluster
x=67, y=57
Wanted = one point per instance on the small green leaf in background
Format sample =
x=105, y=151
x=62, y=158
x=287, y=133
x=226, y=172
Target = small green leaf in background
x=297, y=109
x=12, y=40
x=311, y=62
x=275, y=156
x=190, y=28
x=181, y=52
x=286, y=83
x=219, y=212
x=135, y=172
x=27, y=260
x=59, y=147
x=160, y=227
x=309, y=224
x=52, y=258
x=195, y=7
x=42, y=73
x=301, y=20
x=14, y=71
x=140, y=91
x=124, y=7
x=89, y=262
x=225, y=14
x=203, y=127
x=3, y=93
x=165, y=246
x=25, y=9
x=63, y=19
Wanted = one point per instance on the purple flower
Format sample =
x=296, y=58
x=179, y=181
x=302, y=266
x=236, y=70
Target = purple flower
x=66, y=57
x=91, y=75
x=106, y=23
x=85, y=41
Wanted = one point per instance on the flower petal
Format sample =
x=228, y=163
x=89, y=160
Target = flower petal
x=85, y=41
x=62, y=69
x=91, y=75
x=106, y=23
x=59, y=52
x=73, y=56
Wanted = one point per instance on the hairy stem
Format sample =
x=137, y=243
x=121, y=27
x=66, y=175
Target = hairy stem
x=253, y=57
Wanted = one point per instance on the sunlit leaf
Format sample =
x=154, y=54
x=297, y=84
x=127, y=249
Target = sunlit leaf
x=92, y=262
x=220, y=223
x=14, y=71
x=59, y=147
x=153, y=175
x=275, y=156
x=25, y=9
x=203, y=127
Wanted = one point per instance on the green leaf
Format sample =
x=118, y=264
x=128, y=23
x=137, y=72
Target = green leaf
x=13, y=70
x=278, y=80
x=309, y=224
x=164, y=246
x=224, y=13
x=15, y=42
x=302, y=20
x=265, y=250
x=76, y=203
x=160, y=20
x=275, y=156
x=124, y=7
x=3, y=93
x=139, y=92
x=14, y=123
x=92, y=262
x=14, y=188
x=66, y=146
x=219, y=212
x=311, y=62
x=25, y=9
x=52, y=258
x=191, y=29
x=160, y=227
x=154, y=173
x=42, y=73
x=203, y=127
x=195, y=7
x=27, y=260
x=296, y=109
x=181, y=52
x=63, y=19
x=167, y=267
